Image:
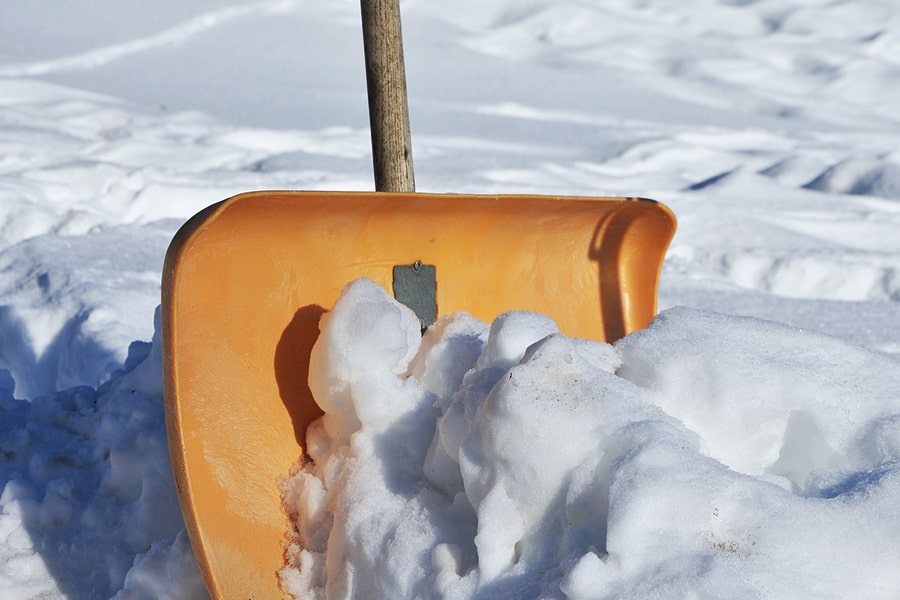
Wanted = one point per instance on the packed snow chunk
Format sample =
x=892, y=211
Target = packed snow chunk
x=511, y=335
x=448, y=351
x=486, y=470
x=535, y=458
x=366, y=342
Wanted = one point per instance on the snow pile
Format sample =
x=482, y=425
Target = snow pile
x=730, y=455
x=86, y=480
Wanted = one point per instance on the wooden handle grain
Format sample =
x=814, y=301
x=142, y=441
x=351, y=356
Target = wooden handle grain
x=388, y=111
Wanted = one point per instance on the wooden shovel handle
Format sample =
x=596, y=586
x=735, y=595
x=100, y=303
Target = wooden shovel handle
x=388, y=111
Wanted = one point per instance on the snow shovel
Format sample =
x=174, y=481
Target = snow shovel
x=246, y=280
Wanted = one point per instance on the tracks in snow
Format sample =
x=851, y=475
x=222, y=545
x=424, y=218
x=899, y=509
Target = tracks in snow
x=177, y=34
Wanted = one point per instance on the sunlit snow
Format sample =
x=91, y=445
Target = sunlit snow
x=744, y=446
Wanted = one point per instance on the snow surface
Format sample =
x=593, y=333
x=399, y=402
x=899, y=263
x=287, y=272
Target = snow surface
x=509, y=461
x=769, y=127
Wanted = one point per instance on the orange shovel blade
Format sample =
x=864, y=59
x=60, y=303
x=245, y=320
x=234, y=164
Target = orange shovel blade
x=246, y=280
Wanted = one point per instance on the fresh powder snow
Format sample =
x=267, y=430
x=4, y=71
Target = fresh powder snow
x=743, y=446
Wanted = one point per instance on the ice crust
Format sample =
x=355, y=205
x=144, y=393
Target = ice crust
x=510, y=461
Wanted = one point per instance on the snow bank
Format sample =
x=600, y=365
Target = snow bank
x=707, y=454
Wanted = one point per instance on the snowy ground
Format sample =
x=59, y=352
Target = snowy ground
x=769, y=127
